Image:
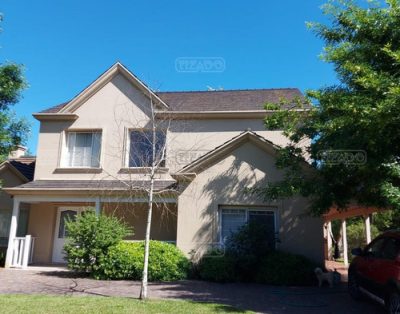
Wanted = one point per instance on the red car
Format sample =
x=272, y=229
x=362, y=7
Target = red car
x=375, y=271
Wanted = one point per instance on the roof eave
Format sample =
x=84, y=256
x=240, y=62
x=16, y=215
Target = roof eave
x=55, y=116
x=207, y=159
x=74, y=191
x=7, y=164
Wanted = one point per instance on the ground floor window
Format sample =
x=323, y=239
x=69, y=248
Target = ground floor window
x=232, y=218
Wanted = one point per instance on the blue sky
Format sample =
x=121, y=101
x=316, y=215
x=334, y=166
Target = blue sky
x=65, y=45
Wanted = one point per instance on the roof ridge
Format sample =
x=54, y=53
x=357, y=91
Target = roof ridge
x=230, y=90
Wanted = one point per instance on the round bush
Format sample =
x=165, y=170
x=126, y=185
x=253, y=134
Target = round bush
x=125, y=261
x=217, y=267
x=89, y=238
x=280, y=268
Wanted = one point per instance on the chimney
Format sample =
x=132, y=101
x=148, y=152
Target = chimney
x=19, y=152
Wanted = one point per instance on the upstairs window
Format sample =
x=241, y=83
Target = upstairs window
x=141, y=148
x=82, y=149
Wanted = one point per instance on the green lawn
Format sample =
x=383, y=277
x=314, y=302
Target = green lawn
x=66, y=304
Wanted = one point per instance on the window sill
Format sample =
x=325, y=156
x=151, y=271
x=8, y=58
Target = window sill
x=142, y=170
x=78, y=170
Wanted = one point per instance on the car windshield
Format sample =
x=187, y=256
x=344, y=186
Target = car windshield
x=391, y=249
x=375, y=248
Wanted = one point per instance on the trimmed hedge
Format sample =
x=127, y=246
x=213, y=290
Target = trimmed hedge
x=249, y=257
x=125, y=261
x=276, y=268
x=217, y=267
x=281, y=268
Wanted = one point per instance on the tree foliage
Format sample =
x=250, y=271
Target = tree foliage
x=359, y=117
x=13, y=130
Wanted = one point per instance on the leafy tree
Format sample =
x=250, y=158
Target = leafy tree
x=356, y=121
x=13, y=130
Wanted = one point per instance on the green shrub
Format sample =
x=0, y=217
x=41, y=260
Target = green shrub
x=2, y=258
x=356, y=236
x=125, y=261
x=217, y=267
x=280, y=268
x=89, y=238
x=251, y=239
x=247, y=247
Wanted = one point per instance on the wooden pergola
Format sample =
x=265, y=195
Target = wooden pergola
x=352, y=211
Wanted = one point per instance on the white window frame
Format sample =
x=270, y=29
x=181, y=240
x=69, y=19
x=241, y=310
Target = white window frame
x=247, y=209
x=64, y=151
x=128, y=147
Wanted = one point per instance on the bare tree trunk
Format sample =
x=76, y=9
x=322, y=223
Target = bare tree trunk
x=143, y=290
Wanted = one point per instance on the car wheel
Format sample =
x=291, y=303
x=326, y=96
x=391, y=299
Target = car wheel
x=353, y=286
x=394, y=303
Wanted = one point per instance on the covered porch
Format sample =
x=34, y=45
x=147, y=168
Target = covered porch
x=46, y=233
x=342, y=216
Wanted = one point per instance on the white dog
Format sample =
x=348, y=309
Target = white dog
x=321, y=276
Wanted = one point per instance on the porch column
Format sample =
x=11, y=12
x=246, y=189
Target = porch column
x=329, y=239
x=344, y=237
x=13, y=232
x=367, y=224
x=98, y=206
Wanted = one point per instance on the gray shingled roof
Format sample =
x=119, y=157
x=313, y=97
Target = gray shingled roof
x=229, y=100
x=96, y=185
x=24, y=165
x=224, y=100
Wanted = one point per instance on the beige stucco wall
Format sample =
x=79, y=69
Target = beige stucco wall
x=113, y=109
x=8, y=179
x=41, y=225
x=223, y=183
x=119, y=106
x=163, y=225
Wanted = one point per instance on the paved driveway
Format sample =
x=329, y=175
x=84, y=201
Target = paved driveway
x=260, y=298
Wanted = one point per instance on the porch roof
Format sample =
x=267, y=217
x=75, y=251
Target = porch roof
x=352, y=211
x=91, y=185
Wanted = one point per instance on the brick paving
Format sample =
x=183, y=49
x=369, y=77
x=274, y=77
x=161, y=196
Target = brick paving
x=340, y=267
x=256, y=297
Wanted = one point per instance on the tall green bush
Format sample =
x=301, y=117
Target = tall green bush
x=89, y=238
x=247, y=247
x=125, y=261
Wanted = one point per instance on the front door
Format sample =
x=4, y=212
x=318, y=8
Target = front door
x=63, y=214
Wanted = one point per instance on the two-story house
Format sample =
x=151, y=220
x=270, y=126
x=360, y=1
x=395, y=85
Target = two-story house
x=92, y=152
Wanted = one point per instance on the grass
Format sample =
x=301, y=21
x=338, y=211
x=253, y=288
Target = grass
x=68, y=304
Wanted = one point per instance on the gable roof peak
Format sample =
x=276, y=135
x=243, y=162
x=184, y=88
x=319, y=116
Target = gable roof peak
x=203, y=161
x=99, y=82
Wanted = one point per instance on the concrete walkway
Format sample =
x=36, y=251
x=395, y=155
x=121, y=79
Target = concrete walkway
x=259, y=298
